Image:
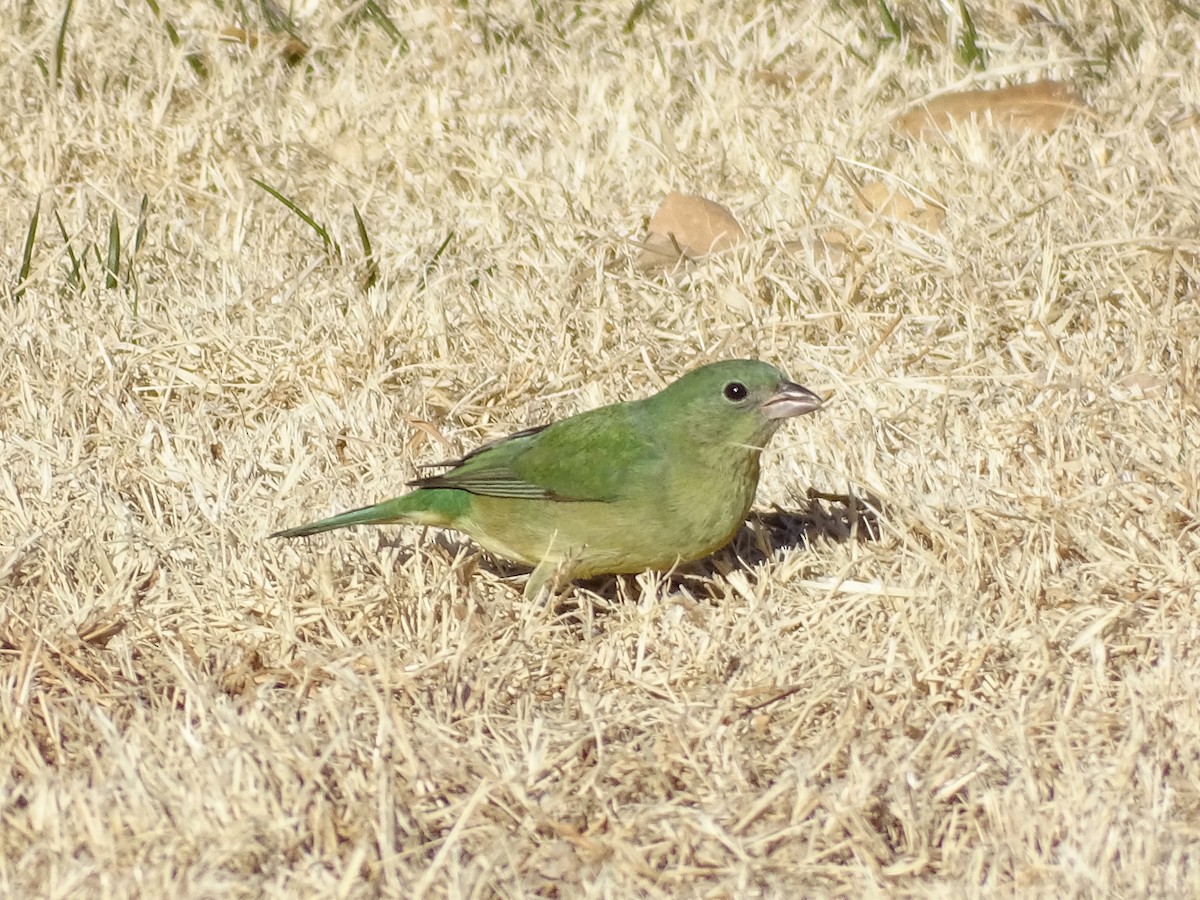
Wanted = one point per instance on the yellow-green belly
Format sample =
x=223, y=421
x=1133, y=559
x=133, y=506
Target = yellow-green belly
x=598, y=538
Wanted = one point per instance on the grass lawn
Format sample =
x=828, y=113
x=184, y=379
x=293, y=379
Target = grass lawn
x=254, y=276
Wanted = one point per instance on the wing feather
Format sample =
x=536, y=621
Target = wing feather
x=595, y=456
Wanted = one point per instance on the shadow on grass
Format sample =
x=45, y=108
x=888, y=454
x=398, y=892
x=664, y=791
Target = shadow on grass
x=836, y=518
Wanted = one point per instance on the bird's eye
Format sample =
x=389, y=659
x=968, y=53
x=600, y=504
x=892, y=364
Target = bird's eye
x=735, y=391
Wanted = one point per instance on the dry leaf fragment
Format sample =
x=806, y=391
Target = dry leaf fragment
x=688, y=227
x=100, y=626
x=783, y=79
x=878, y=200
x=291, y=49
x=1038, y=107
x=830, y=249
x=426, y=431
x=237, y=667
x=1139, y=386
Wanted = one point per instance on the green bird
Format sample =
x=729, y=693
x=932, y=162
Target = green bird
x=632, y=486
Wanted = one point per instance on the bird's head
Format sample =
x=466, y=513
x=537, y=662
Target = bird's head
x=736, y=402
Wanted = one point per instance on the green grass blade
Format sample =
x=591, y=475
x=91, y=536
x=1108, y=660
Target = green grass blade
x=330, y=246
x=195, y=60
x=139, y=238
x=637, y=13
x=969, y=50
x=363, y=237
x=140, y=235
x=437, y=254
x=371, y=273
x=112, y=265
x=387, y=25
x=60, y=44
x=27, y=253
x=889, y=21
x=74, y=275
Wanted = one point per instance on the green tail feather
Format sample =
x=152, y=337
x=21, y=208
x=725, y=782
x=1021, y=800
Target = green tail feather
x=426, y=507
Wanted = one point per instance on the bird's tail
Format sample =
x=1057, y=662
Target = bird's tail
x=426, y=507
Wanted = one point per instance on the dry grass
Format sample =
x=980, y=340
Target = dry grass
x=1001, y=692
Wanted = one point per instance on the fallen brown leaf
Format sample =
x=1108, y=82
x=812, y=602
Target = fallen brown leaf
x=687, y=227
x=1038, y=107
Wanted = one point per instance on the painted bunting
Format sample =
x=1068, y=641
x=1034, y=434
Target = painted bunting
x=627, y=487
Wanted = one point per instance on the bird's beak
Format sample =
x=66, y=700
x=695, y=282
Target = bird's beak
x=791, y=400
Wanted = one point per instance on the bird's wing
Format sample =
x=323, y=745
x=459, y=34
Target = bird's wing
x=595, y=456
